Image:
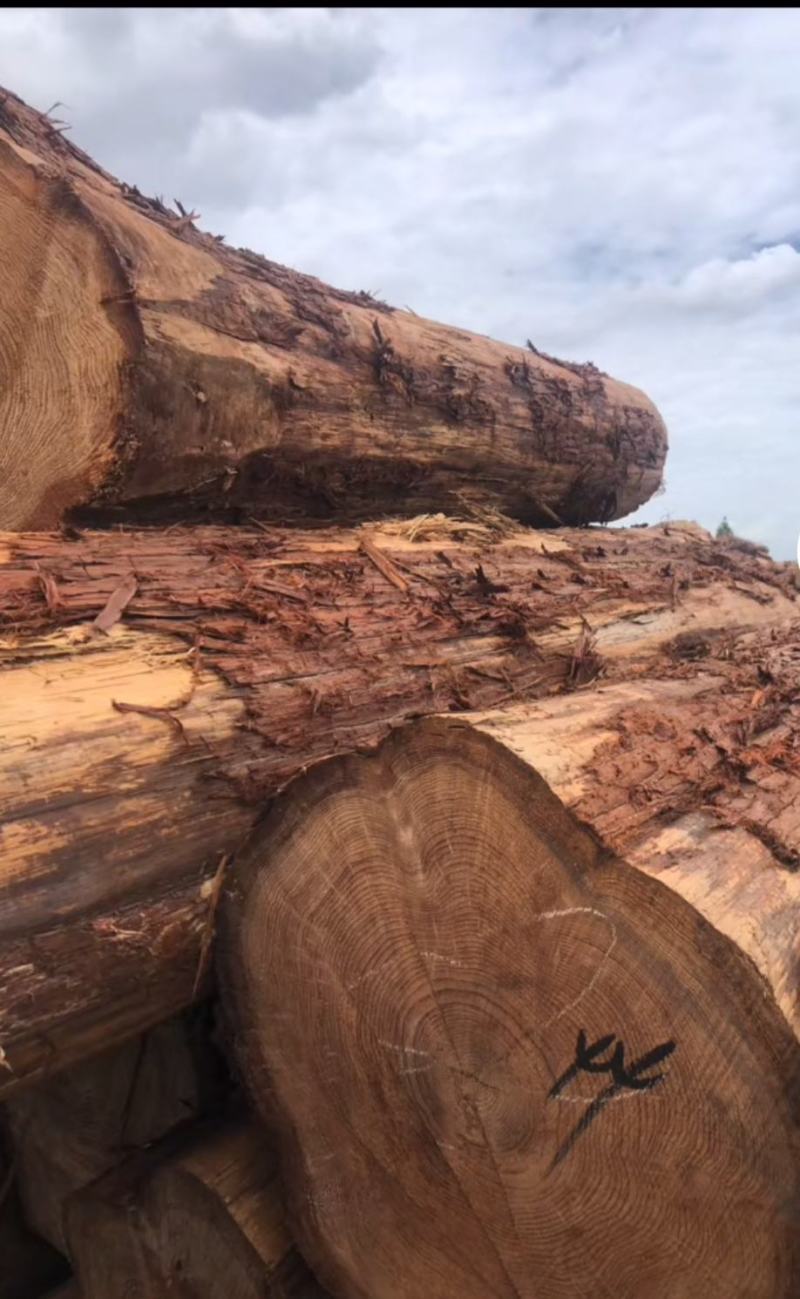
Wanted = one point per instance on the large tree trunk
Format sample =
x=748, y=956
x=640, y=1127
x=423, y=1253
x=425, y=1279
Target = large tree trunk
x=202, y=1220
x=537, y=971
x=134, y=760
x=145, y=363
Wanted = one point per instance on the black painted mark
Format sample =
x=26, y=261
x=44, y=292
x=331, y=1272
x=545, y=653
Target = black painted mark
x=622, y=1079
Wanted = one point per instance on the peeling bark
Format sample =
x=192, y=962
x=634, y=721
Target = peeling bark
x=133, y=762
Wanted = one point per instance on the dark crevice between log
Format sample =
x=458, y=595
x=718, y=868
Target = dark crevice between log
x=29, y=1266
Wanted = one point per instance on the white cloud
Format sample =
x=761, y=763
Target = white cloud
x=744, y=284
x=616, y=184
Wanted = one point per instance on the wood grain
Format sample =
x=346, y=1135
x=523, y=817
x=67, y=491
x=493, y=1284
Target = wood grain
x=501, y=1060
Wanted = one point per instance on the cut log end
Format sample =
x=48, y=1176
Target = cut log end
x=62, y=346
x=527, y=1067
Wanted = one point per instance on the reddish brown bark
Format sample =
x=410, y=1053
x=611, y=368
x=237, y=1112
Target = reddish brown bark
x=134, y=761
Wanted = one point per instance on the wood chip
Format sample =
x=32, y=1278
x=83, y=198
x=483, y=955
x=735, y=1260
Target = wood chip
x=383, y=564
x=50, y=591
x=160, y=714
x=116, y=604
x=212, y=890
x=276, y=588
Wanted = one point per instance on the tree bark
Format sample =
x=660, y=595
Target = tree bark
x=204, y=1220
x=133, y=761
x=537, y=971
x=150, y=368
x=69, y=1130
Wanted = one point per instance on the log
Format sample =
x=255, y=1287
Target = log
x=28, y=1266
x=151, y=369
x=133, y=761
x=204, y=1220
x=71, y=1129
x=537, y=970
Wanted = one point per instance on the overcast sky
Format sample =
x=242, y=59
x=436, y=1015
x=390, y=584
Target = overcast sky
x=618, y=185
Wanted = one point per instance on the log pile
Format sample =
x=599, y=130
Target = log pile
x=396, y=900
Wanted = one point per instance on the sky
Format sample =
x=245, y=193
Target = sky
x=618, y=185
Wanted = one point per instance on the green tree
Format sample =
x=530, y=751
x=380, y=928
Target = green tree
x=725, y=529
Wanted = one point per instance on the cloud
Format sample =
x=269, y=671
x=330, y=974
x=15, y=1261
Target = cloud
x=737, y=286
x=140, y=83
x=615, y=184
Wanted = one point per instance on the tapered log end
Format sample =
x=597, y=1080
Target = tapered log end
x=500, y=1061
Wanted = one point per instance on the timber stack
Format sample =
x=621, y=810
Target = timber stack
x=399, y=865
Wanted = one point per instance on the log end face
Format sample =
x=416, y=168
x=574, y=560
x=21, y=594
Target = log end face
x=64, y=339
x=520, y=1073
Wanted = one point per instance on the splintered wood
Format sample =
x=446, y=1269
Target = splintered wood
x=133, y=762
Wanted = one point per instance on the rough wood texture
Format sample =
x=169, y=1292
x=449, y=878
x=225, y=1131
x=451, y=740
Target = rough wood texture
x=538, y=972
x=149, y=366
x=133, y=762
x=69, y=1130
x=203, y=1220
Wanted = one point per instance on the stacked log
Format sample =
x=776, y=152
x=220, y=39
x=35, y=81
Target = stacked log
x=74, y=1127
x=118, y=1167
x=354, y=873
x=646, y=680
x=154, y=372
x=135, y=760
x=197, y=1217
